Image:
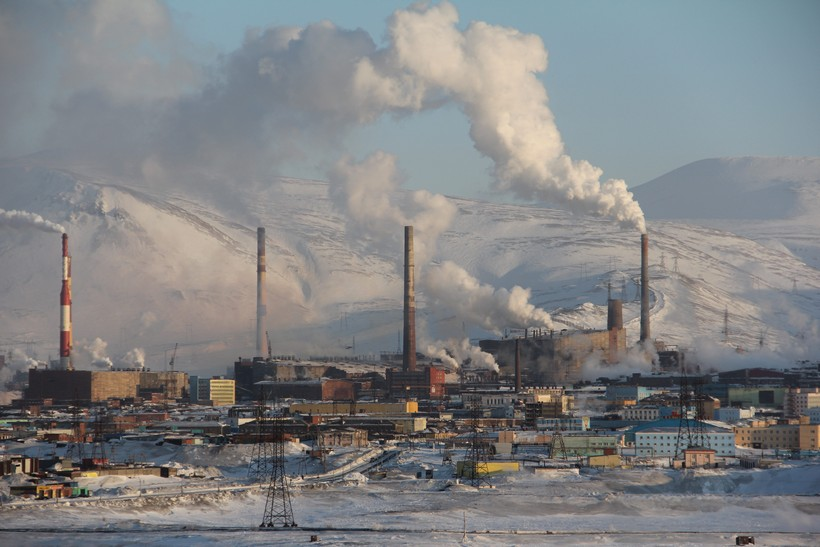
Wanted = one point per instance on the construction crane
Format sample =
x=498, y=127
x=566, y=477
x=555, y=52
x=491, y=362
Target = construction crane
x=173, y=356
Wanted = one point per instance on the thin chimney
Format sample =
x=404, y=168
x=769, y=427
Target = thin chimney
x=65, y=311
x=644, y=287
x=517, y=366
x=261, y=299
x=409, y=346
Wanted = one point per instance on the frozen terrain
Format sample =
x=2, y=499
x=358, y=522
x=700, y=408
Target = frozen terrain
x=646, y=506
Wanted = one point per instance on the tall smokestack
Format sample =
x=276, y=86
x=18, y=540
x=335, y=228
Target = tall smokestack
x=261, y=299
x=65, y=311
x=409, y=350
x=644, y=287
x=517, y=366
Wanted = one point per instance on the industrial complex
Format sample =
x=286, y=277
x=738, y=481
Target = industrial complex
x=533, y=414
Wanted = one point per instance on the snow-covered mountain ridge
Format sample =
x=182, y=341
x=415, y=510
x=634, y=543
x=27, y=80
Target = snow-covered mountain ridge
x=154, y=266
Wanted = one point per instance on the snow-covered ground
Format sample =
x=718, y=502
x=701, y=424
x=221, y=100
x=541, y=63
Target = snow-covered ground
x=652, y=506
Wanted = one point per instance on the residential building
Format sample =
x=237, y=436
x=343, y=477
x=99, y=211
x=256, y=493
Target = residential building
x=800, y=399
x=660, y=438
x=219, y=390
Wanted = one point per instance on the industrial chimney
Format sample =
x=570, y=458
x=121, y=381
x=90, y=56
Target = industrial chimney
x=65, y=311
x=644, y=288
x=261, y=307
x=518, y=387
x=409, y=346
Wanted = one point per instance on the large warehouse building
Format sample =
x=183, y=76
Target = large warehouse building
x=67, y=386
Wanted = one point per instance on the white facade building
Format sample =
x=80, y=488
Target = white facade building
x=663, y=440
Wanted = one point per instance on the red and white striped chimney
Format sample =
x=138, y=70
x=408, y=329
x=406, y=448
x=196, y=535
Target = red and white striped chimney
x=65, y=311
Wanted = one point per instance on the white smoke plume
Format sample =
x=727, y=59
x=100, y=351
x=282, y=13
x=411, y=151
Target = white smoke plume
x=490, y=71
x=134, y=358
x=19, y=359
x=127, y=93
x=96, y=351
x=25, y=219
x=450, y=286
x=365, y=192
x=454, y=352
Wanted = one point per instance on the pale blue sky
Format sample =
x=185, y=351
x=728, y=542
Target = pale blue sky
x=637, y=87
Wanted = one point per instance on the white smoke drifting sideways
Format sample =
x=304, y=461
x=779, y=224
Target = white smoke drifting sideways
x=450, y=286
x=25, y=219
x=285, y=95
x=455, y=352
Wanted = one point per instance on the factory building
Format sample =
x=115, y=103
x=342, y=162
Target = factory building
x=67, y=386
x=427, y=383
x=249, y=372
x=324, y=389
x=553, y=358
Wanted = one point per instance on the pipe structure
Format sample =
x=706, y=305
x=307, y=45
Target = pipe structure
x=409, y=343
x=644, y=287
x=517, y=366
x=261, y=298
x=65, y=311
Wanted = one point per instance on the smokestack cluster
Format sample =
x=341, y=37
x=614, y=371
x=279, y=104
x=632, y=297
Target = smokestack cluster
x=409, y=346
x=644, y=288
x=261, y=299
x=65, y=311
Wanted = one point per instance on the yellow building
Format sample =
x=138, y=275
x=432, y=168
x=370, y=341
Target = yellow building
x=220, y=391
x=464, y=469
x=802, y=436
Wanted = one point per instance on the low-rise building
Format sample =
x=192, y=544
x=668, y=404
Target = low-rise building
x=663, y=438
x=790, y=436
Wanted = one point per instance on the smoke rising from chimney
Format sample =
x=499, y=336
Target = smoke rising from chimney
x=455, y=351
x=450, y=286
x=24, y=219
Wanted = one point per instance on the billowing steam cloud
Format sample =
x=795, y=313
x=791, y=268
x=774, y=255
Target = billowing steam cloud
x=491, y=71
x=364, y=191
x=97, y=352
x=135, y=358
x=24, y=219
x=450, y=286
x=456, y=351
x=126, y=90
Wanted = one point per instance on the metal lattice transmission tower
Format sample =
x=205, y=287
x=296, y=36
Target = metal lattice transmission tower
x=278, y=509
x=75, y=449
x=99, y=457
x=557, y=446
x=475, y=465
x=690, y=432
x=261, y=457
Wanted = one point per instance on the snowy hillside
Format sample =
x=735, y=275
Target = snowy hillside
x=775, y=201
x=153, y=267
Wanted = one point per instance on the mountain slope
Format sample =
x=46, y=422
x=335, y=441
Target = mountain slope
x=152, y=267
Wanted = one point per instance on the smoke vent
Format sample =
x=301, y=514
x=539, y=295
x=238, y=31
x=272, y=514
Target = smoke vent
x=409, y=345
x=261, y=306
x=644, y=287
x=65, y=311
x=615, y=314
